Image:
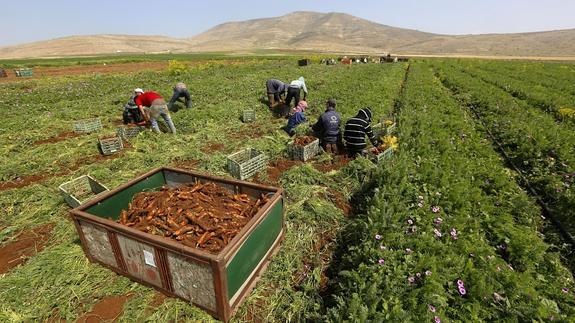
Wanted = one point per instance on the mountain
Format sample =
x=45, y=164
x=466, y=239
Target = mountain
x=329, y=32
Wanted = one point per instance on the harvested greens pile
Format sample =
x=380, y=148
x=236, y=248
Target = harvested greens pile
x=204, y=216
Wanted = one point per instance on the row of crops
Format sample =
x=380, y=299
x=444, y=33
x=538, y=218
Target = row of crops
x=450, y=229
x=448, y=234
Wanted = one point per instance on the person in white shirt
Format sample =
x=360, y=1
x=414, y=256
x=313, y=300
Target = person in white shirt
x=294, y=90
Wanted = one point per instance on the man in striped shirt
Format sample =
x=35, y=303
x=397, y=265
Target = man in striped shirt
x=356, y=129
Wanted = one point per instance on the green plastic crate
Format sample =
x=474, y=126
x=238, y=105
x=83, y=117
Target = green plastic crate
x=245, y=163
x=249, y=116
x=87, y=125
x=111, y=145
x=303, y=153
x=387, y=154
x=81, y=190
x=24, y=72
x=129, y=132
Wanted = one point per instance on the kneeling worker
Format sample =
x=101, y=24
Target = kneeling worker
x=356, y=129
x=327, y=128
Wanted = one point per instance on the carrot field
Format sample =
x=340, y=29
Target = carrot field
x=471, y=219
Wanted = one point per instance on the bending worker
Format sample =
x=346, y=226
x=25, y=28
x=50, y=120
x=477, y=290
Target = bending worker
x=155, y=106
x=180, y=91
x=276, y=90
x=294, y=89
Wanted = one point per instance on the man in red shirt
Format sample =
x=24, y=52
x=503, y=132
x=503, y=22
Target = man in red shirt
x=154, y=106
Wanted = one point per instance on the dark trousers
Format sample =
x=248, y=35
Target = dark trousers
x=132, y=116
x=292, y=93
x=180, y=93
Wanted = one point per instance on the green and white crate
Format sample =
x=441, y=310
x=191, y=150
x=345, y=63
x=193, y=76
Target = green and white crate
x=245, y=163
x=303, y=153
x=111, y=145
x=87, y=125
x=249, y=116
x=24, y=72
x=386, y=154
x=129, y=132
x=81, y=190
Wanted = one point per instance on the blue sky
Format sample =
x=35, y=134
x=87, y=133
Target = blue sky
x=33, y=20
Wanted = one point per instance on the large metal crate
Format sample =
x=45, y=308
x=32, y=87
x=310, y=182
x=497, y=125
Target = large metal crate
x=129, y=132
x=87, y=125
x=80, y=190
x=111, y=145
x=245, y=163
x=303, y=153
x=217, y=283
x=24, y=72
x=249, y=116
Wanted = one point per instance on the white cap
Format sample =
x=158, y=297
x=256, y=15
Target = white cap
x=138, y=90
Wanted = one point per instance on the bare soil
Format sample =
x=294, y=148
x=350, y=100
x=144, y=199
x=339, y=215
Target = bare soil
x=59, y=137
x=188, y=164
x=276, y=169
x=336, y=163
x=106, y=310
x=340, y=201
x=212, y=147
x=26, y=245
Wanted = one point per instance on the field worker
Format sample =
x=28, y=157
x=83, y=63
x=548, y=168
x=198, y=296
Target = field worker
x=132, y=114
x=294, y=91
x=356, y=129
x=155, y=106
x=180, y=91
x=297, y=116
x=276, y=90
x=327, y=128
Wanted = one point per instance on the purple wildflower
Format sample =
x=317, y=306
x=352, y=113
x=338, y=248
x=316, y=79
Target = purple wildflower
x=437, y=233
x=431, y=308
x=435, y=209
x=436, y=319
x=565, y=290
x=381, y=261
x=453, y=233
x=377, y=237
x=428, y=273
x=411, y=279
x=462, y=290
x=460, y=283
x=408, y=250
x=418, y=275
x=410, y=221
x=438, y=221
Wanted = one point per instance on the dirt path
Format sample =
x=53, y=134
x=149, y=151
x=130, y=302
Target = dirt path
x=26, y=244
x=40, y=72
x=108, y=309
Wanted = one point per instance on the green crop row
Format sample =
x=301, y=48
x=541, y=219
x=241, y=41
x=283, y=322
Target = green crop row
x=541, y=149
x=448, y=234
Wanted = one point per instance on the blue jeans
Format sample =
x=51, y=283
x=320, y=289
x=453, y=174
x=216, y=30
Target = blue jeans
x=294, y=120
x=156, y=111
x=179, y=93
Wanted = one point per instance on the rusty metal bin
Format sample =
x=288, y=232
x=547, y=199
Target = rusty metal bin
x=217, y=283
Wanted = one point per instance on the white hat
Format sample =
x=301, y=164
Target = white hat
x=138, y=90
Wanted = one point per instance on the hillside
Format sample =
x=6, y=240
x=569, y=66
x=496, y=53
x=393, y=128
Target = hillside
x=332, y=32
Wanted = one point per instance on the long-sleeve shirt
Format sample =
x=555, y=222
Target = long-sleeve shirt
x=300, y=84
x=276, y=86
x=356, y=129
x=327, y=126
